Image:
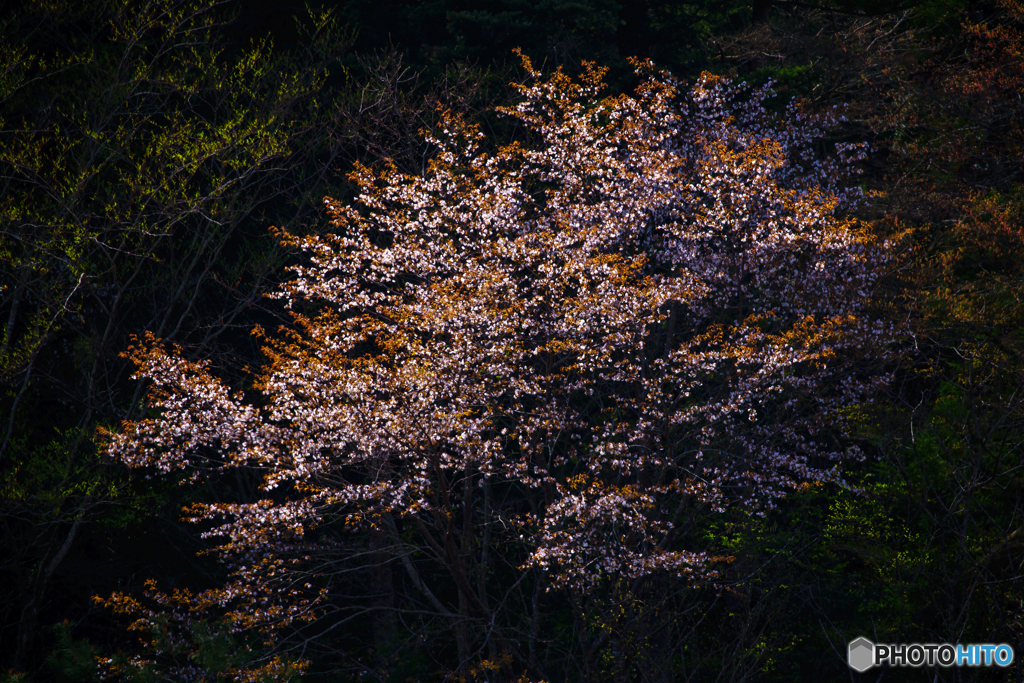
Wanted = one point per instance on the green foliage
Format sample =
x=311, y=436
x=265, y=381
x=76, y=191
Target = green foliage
x=74, y=661
x=143, y=156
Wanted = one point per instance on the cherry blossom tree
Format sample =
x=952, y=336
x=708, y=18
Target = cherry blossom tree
x=541, y=359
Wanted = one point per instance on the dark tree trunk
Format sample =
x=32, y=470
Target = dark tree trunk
x=382, y=588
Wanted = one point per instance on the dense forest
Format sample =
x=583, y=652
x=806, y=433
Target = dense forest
x=603, y=340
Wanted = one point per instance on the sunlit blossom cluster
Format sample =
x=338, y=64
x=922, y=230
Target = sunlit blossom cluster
x=652, y=306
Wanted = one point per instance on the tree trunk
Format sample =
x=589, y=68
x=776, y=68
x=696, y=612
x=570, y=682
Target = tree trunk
x=382, y=591
x=30, y=613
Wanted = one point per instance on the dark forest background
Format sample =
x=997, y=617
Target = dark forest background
x=146, y=147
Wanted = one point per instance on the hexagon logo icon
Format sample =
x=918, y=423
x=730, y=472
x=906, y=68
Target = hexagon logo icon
x=860, y=654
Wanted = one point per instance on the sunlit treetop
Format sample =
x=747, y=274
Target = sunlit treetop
x=653, y=306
